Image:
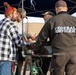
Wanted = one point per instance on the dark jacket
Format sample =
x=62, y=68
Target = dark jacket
x=62, y=32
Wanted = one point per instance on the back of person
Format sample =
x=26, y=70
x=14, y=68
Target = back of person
x=64, y=33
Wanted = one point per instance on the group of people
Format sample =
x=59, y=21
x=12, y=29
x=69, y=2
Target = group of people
x=60, y=29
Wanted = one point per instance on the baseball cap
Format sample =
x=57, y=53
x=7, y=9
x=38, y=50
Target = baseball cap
x=22, y=11
x=48, y=13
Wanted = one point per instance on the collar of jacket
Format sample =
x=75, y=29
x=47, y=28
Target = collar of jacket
x=62, y=12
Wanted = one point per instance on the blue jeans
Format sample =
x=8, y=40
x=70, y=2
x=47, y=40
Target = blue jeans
x=5, y=68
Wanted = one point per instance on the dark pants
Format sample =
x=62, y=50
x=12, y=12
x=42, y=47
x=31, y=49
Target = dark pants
x=46, y=63
x=64, y=63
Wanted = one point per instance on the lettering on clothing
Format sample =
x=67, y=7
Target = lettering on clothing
x=65, y=29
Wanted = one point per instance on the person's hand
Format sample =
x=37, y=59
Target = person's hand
x=31, y=41
x=29, y=36
x=32, y=37
x=48, y=73
x=33, y=54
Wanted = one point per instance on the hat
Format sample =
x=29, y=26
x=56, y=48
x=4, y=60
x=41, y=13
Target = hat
x=8, y=9
x=22, y=11
x=48, y=13
x=61, y=3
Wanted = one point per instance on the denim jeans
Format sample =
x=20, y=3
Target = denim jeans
x=5, y=68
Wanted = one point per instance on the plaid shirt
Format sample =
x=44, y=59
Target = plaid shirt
x=9, y=40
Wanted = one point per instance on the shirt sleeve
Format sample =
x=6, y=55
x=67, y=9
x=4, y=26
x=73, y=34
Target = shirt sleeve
x=42, y=37
x=15, y=36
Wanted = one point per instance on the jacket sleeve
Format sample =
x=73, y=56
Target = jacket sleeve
x=42, y=37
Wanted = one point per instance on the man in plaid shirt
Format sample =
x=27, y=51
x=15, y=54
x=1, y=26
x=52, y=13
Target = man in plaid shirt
x=9, y=40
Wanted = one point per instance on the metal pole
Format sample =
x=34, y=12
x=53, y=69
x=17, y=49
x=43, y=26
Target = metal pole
x=22, y=27
x=23, y=35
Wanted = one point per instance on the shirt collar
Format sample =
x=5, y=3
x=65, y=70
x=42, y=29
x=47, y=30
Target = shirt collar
x=62, y=12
